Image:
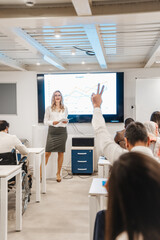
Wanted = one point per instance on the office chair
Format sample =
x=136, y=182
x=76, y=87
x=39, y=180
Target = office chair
x=10, y=158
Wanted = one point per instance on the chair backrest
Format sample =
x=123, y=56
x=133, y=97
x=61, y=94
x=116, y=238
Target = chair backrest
x=8, y=158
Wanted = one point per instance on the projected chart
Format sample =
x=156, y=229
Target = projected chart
x=77, y=89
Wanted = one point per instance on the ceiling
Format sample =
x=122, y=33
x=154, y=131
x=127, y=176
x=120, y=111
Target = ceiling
x=93, y=35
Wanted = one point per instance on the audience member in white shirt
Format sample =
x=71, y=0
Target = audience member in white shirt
x=136, y=136
x=8, y=141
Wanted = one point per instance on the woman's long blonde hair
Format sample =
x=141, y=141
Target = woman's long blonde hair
x=53, y=102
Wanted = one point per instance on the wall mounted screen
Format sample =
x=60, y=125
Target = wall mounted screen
x=8, y=99
x=77, y=88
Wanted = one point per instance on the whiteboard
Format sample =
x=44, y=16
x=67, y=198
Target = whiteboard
x=8, y=101
x=147, y=98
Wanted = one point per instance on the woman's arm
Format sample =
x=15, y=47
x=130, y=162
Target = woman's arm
x=66, y=112
x=65, y=115
x=47, y=120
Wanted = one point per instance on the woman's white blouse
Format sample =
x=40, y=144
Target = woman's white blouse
x=51, y=116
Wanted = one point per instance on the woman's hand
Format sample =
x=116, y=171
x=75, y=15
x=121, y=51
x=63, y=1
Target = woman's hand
x=55, y=122
x=64, y=121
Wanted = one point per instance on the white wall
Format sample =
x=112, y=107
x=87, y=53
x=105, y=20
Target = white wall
x=27, y=110
x=138, y=84
x=21, y=124
x=151, y=98
x=26, y=86
x=27, y=115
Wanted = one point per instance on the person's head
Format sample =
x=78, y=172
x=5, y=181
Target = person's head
x=155, y=117
x=57, y=100
x=134, y=197
x=128, y=121
x=136, y=135
x=4, y=125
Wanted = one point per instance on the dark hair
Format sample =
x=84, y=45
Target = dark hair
x=128, y=121
x=134, y=197
x=135, y=132
x=155, y=117
x=3, y=125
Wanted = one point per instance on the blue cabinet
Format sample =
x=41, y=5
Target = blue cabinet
x=82, y=161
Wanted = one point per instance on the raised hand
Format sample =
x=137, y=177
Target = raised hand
x=97, y=98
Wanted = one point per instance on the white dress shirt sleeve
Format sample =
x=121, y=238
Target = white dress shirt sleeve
x=47, y=120
x=19, y=146
x=108, y=147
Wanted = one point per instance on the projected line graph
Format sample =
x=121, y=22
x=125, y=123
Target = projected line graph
x=77, y=90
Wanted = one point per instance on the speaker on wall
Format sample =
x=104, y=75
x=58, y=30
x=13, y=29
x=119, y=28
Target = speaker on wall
x=83, y=142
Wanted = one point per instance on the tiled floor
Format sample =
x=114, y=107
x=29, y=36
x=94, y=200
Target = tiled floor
x=62, y=214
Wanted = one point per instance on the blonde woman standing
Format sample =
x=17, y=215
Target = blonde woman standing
x=56, y=118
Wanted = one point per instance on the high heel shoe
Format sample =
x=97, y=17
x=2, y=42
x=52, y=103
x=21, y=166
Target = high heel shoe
x=58, y=179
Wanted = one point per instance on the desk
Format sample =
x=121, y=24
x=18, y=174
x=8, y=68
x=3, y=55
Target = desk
x=103, y=167
x=39, y=159
x=6, y=173
x=96, y=194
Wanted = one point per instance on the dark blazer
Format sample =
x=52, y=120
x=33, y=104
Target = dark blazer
x=99, y=227
x=119, y=138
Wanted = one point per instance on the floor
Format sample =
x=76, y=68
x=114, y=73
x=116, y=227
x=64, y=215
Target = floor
x=62, y=214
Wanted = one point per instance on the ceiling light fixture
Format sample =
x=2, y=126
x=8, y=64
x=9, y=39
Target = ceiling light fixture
x=83, y=62
x=30, y=3
x=52, y=62
x=88, y=52
x=57, y=33
x=73, y=51
x=38, y=64
x=157, y=59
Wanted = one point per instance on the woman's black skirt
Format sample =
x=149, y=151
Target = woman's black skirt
x=56, y=139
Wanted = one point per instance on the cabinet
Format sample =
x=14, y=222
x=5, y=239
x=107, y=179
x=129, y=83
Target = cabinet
x=82, y=160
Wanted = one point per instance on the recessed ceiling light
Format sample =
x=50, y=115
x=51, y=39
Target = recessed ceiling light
x=157, y=60
x=73, y=51
x=38, y=64
x=83, y=62
x=29, y=3
x=57, y=33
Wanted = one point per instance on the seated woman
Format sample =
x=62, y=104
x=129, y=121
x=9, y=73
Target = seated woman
x=134, y=199
x=154, y=139
x=155, y=117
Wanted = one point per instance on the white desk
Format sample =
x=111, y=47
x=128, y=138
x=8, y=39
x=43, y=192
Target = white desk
x=96, y=194
x=6, y=173
x=103, y=167
x=39, y=159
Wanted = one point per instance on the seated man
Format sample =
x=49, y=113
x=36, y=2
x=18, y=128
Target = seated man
x=136, y=138
x=119, y=138
x=8, y=141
